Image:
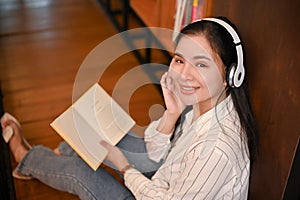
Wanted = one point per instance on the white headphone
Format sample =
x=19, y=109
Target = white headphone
x=236, y=72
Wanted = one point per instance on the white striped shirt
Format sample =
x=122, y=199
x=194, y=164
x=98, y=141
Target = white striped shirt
x=208, y=161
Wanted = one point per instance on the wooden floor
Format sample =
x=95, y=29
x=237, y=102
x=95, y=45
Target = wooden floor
x=42, y=45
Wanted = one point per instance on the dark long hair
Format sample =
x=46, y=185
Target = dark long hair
x=222, y=43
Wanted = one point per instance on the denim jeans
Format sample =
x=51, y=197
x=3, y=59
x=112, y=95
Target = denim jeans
x=68, y=172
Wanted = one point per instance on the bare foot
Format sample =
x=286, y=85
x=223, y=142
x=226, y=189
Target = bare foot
x=18, y=145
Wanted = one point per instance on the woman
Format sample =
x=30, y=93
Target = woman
x=207, y=156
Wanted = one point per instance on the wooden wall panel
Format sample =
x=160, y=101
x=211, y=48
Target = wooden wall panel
x=270, y=30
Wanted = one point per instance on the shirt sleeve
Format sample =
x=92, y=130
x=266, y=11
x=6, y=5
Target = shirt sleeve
x=197, y=178
x=157, y=144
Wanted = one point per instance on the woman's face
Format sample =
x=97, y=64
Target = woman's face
x=197, y=72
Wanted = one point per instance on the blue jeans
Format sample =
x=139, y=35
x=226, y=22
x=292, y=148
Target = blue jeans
x=70, y=173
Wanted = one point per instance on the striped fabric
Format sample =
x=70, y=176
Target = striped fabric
x=209, y=160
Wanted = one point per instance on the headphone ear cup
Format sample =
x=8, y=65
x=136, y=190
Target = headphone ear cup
x=230, y=75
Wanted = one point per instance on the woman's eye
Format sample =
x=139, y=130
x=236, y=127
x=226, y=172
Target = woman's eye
x=200, y=65
x=179, y=61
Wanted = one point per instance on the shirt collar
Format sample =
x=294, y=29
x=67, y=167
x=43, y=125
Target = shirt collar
x=211, y=117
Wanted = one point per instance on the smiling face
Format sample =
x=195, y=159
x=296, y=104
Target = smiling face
x=198, y=73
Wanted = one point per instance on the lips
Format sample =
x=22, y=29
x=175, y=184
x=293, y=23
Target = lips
x=188, y=89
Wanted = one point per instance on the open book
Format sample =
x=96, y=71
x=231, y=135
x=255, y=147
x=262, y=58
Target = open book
x=95, y=116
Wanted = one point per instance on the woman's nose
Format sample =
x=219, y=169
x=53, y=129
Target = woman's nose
x=187, y=71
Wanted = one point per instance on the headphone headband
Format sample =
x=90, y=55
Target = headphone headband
x=229, y=29
x=237, y=76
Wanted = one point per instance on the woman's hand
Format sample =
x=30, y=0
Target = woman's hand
x=173, y=104
x=115, y=156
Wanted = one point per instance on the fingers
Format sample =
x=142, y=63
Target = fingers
x=105, y=144
x=163, y=79
x=167, y=81
x=115, y=155
x=110, y=148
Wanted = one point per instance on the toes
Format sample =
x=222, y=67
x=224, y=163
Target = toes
x=8, y=122
x=8, y=119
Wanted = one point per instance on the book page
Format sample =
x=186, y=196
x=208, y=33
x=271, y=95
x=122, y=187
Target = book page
x=81, y=137
x=95, y=116
x=103, y=114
